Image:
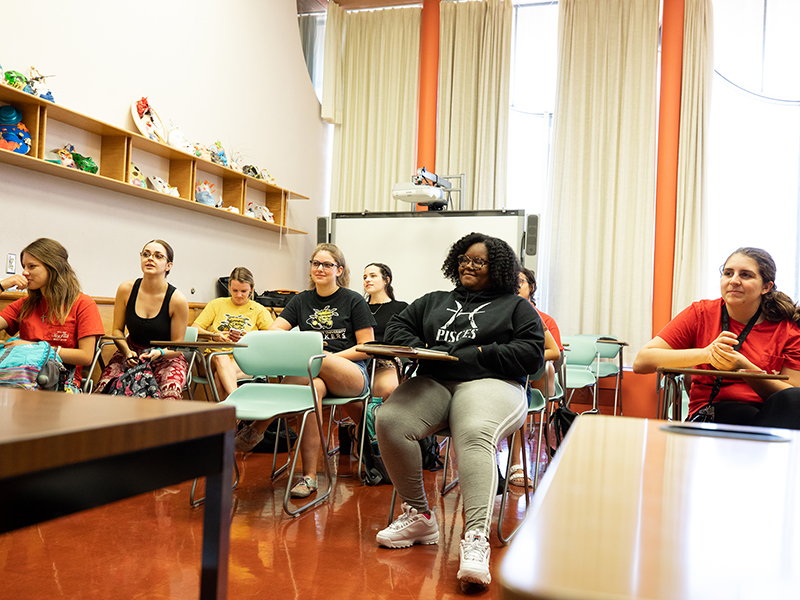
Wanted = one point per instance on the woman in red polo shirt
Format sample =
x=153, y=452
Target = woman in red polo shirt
x=752, y=327
x=55, y=310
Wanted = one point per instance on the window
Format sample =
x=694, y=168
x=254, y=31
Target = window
x=754, y=138
x=533, y=96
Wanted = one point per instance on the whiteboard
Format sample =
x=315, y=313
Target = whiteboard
x=415, y=244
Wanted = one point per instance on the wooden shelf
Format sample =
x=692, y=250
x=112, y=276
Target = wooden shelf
x=114, y=164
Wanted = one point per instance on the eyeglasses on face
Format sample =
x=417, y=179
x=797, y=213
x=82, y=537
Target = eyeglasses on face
x=315, y=264
x=148, y=254
x=477, y=263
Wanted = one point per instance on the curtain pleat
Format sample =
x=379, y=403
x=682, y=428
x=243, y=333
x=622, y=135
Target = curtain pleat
x=599, y=265
x=692, y=195
x=375, y=145
x=474, y=75
x=332, y=70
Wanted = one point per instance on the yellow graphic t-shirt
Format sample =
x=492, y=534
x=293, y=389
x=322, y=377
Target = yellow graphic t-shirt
x=222, y=315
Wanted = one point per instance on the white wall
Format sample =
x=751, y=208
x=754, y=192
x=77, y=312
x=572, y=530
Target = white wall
x=231, y=70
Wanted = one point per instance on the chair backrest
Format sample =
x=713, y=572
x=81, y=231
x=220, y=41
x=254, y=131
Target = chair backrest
x=580, y=350
x=279, y=353
x=191, y=334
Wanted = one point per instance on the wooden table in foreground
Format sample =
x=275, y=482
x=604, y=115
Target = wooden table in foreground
x=628, y=510
x=63, y=453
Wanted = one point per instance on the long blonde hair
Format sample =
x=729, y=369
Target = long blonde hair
x=62, y=287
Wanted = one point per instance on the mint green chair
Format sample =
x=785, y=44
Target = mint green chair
x=282, y=354
x=580, y=365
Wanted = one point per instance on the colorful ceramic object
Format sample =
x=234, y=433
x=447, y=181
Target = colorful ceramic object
x=218, y=155
x=203, y=193
x=156, y=183
x=147, y=121
x=16, y=138
x=136, y=177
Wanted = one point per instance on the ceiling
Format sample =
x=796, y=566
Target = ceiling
x=311, y=6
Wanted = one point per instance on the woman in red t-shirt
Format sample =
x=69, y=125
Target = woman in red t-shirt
x=55, y=310
x=705, y=335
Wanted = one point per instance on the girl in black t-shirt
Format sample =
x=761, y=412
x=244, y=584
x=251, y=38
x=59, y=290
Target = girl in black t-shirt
x=344, y=320
x=383, y=305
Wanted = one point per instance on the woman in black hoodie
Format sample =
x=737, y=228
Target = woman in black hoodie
x=498, y=341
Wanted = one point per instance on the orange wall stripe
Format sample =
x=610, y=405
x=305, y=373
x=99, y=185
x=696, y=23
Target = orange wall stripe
x=667, y=165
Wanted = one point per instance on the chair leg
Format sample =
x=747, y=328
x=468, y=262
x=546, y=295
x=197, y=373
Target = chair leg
x=504, y=500
x=277, y=472
x=321, y=497
x=195, y=502
x=391, y=510
x=446, y=487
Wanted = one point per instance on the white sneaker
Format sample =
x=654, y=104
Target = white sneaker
x=408, y=529
x=474, y=567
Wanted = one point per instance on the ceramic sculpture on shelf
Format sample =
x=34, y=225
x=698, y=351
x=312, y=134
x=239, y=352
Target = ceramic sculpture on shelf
x=200, y=151
x=147, y=121
x=203, y=193
x=136, y=177
x=176, y=139
x=14, y=135
x=17, y=80
x=235, y=161
x=65, y=157
x=156, y=183
x=218, y=155
x=37, y=83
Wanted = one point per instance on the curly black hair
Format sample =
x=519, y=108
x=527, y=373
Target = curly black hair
x=503, y=264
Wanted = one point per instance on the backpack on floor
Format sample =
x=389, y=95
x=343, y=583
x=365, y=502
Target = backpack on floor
x=376, y=472
x=34, y=366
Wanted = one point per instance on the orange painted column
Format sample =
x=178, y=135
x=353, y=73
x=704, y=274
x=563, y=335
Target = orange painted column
x=428, y=87
x=667, y=165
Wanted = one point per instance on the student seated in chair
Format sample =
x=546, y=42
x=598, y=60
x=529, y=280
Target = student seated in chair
x=752, y=327
x=55, y=310
x=227, y=320
x=498, y=340
x=383, y=305
x=552, y=352
x=343, y=318
x=152, y=310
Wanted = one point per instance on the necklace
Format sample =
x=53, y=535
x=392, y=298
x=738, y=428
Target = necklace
x=375, y=312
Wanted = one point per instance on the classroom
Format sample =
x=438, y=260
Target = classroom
x=233, y=134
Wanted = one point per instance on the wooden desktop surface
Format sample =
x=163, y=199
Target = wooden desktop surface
x=62, y=453
x=629, y=511
x=43, y=430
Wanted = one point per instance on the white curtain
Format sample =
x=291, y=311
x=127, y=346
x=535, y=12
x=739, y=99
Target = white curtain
x=599, y=279
x=332, y=70
x=375, y=144
x=474, y=75
x=691, y=219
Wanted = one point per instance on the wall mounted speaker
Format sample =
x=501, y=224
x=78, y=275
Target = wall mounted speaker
x=532, y=236
x=323, y=236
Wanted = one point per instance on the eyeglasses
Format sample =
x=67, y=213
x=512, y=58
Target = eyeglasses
x=477, y=263
x=315, y=264
x=148, y=254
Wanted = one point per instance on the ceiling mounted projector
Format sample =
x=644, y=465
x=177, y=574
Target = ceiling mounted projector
x=427, y=195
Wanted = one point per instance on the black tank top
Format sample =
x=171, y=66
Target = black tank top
x=143, y=331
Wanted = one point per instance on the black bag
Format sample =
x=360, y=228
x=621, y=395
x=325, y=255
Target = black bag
x=430, y=453
x=560, y=422
x=267, y=445
x=275, y=298
x=222, y=287
x=137, y=382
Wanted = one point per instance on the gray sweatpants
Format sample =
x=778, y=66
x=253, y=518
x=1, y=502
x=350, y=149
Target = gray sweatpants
x=478, y=413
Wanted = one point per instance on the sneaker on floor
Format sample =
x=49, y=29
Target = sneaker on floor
x=409, y=528
x=474, y=567
x=304, y=488
x=247, y=439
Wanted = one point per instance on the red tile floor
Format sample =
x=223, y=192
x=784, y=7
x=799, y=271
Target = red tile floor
x=149, y=546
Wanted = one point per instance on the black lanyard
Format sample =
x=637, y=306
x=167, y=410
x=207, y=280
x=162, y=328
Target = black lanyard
x=742, y=337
